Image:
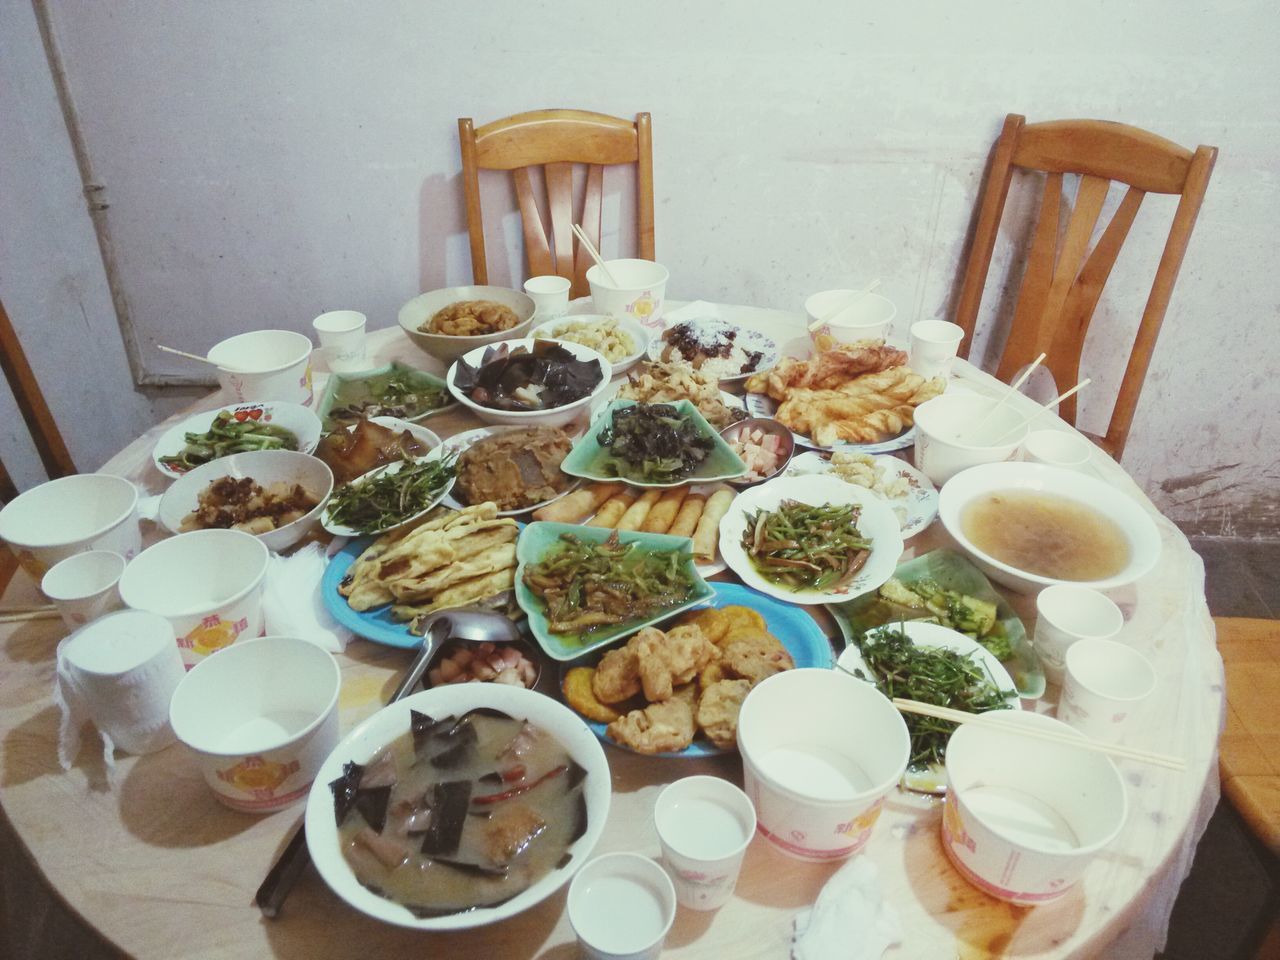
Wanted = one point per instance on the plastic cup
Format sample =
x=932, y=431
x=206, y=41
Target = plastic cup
x=342, y=339
x=1105, y=687
x=621, y=906
x=820, y=751
x=704, y=826
x=265, y=365
x=83, y=586
x=1057, y=448
x=640, y=291
x=550, y=296
x=88, y=511
x=868, y=318
x=1025, y=817
x=946, y=441
x=262, y=718
x=933, y=347
x=1065, y=614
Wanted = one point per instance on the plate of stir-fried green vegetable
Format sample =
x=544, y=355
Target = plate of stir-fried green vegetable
x=810, y=539
x=245, y=427
x=389, y=496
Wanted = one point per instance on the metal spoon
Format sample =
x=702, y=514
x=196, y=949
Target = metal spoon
x=471, y=626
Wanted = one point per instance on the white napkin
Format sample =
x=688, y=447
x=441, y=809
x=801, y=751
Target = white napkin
x=291, y=602
x=148, y=506
x=74, y=715
x=696, y=310
x=850, y=920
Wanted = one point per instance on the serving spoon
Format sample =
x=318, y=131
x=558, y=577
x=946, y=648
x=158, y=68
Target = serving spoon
x=467, y=625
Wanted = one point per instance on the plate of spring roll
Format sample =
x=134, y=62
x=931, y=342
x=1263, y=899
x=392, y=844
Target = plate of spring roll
x=693, y=510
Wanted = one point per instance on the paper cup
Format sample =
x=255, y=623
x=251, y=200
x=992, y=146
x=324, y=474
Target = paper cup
x=88, y=511
x=1066, y=613
x=641, y=289
x=1106, y=684
x=261, y=718
x=342, y=339
x=946, y=441
x=550, y=296
x=1025, y=817
x=123, y=668
x=621, y=906
x=265, y=365
x=868, y=317
x=1057, y=448
x=207, y=584
x=83, y=587
x=704, y=825
x=933, y=347
x=820, y=751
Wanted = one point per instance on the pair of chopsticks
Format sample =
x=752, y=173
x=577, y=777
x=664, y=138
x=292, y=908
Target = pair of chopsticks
x=840, y=310
x=21, y=614
x=1013, y=388
x=1052, y=736
x=196, y=357
x=594, y=253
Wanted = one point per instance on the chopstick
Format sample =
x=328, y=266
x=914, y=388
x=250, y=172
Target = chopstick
x=196, y=357
x=594, y=253
x=18, y=615
x=1045, y=409
x=858, y=295
x=1052, y=736
x=1013, y=388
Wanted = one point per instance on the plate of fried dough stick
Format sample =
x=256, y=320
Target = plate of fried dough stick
x=675, y=689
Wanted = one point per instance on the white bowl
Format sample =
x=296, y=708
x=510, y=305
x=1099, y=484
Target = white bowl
x=207, y=584
x=392, y=722
x=557, y=416
x=876, y=521
x=261, y=718
x=265, y=365
x=447, y=348
x=88, y=511
x=84, y=586
x=1127, y=513
x=947, y=441
x=866, y=319
x=639, y=293
x=297, y=419
x=265, y=467
x=639, y=334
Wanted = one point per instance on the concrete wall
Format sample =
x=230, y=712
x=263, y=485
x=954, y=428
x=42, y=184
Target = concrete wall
x=265, y=162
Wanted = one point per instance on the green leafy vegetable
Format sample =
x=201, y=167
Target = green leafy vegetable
x=653, y=442
x=804, y=547
x=394, y=394
x=227, y=435
x=385, y=499
x=972, y=616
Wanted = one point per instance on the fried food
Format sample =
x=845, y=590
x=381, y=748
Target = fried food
x=673, y=382
x=470, y=318
x=665, y=727
x=578, y=693
x=739, y=620
x=707, y=535
x=617, y=676
x=831, y=367
x=756, y=657
x=710, y=620
x=578, y=505
x=665, y=661
x=718, y=710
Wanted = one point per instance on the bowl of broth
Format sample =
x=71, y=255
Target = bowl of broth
x=458, y=807
x=1031, y=525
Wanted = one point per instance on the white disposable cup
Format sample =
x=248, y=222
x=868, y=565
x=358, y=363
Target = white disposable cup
x=1057, y=448
x=640, y=291
x=124, y=668
x=550, y=296
x=261, y=718
x=342, y=339
x=208, y=584
x=88, y=511
x=83, y=586
x=704, y=826
x=933, y=347
x=946, y=441
x=1025, y=817
x=1105, y=686
x=868, y=317
x=820, y=751
x=265, y=365
x=621, y=906
x=1065, y=614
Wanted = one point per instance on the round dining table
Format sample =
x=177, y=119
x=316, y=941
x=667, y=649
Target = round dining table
x=134, y=855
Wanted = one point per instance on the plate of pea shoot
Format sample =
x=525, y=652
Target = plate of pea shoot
x=389, y=496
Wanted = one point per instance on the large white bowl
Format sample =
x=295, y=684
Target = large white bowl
x=557, y=416
x=947, y=441
x=391, y=722
x=265, y=365
x=265, y=467
x=640, y=292
x=446, y=348
x=88, y=511
x=1127, y=513
x=297, y=419
x=639, y=334
x=876, y=521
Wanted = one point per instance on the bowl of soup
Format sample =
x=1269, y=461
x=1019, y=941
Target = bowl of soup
x=458, y=807
x=1031, y=525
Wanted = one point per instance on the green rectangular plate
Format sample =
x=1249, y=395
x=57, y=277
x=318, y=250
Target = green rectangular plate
x=588, y=459
x=539, y=537
x=417, y=377
x=953, y=572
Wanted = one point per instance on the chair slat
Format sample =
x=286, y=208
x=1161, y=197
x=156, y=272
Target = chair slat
x=592, y=203
x=536, y=249
x=1024, y=335
x=559, y=177
x=54, y=455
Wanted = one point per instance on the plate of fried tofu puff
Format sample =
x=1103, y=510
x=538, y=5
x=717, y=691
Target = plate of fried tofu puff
x=675, y=689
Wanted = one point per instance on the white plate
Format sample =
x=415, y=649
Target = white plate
x=934, y=778
x=340, y=530
x=761, y=405
x=876, y=522
x=639, y=335
x=747, y=339
x=915, y=511
x=297, y=419
x=461, y=441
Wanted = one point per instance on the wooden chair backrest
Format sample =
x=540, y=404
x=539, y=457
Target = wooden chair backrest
x=1063, y=278
x=556, y=140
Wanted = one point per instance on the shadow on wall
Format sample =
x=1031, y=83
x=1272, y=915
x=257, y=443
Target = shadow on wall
x=443, y=242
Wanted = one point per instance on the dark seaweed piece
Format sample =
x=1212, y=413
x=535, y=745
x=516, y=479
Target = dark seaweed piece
x=492, y=712
x=423, y=727
x=473, y=869
x=345, y=789
x=462, y=739
x=580, y=828
x=494, y=778
x=450, y=801
x=371, y=802
x=564, y=861
x=482, y=813
x=561, y=377
x=577, y=773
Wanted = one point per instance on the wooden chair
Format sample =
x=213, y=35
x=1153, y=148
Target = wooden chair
x=1063, y=279
x=556, y=140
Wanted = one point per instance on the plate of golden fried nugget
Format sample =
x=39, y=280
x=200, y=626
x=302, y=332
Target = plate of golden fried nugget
x=675, y=689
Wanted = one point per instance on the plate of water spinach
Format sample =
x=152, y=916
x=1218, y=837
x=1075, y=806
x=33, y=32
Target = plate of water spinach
x=389, y=496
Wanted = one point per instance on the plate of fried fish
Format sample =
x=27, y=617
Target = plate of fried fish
x=675, y=689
